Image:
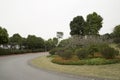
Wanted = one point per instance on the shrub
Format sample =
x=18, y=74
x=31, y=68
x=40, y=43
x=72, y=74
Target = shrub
x=91, y=61
x=53, y=51
x=109, y=53
x=92, y=49
x=63, y=52
x=67, y=54
x=59, y=51
x=38, y=50
x=81, y=53
x=59, y=60
x=5, y=51
x=16, y=51
x=95, y=61
x=118, y=46
x=117, y=40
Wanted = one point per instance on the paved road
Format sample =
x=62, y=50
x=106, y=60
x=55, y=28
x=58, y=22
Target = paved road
x=16, y=68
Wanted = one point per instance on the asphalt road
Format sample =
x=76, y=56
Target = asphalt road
x=16, y=68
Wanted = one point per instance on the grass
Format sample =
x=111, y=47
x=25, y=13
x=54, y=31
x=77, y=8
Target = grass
x=111, y=71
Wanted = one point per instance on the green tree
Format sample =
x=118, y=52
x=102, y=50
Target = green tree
x=64, y=43
x=106, y=36
x=34, y=42
x=116, y=31
x=55, y=41
x=93, y=24
x=51, y=43
x=24, y=42
x=3, y=36
x=116, y=34
x=16, y=39
x=77, y=26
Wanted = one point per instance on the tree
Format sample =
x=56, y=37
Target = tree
x=106, y=36
x=51, y=43
x=93, y=24
x=16, y=39
x=34, y=42
x=116, y=33
x=77, y=26
x=3, y=36
x=24, y=42
x=64, y=43
x=55, y=41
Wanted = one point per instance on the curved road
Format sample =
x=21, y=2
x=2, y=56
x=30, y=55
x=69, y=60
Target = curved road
x=16, y=68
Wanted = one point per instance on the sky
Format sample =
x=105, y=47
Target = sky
x=44, y=18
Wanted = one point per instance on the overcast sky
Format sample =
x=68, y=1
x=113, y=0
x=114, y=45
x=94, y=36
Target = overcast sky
x=44, y=18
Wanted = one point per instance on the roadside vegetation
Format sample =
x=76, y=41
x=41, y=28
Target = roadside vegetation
x=97, y=54
x=86, y=46
x=17, y=44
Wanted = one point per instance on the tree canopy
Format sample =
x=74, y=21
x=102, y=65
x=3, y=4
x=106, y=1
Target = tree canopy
x=116, y=31
x=3, y=36
x=34, y=42
x=77, y=26
x=51, y=43
x=91, y=26
x=16, y=39
x=116, y=34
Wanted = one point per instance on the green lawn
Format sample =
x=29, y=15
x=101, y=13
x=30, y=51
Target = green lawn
x=111, y=71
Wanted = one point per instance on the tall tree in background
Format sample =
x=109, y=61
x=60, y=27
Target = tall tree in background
x=34, y=42
x=77, y=26
x=55, y=41
x=24, y=42
x=93, y=24
x=116, y=34
x=116, y=31
x=3, y=36
x=16, y=39
x=51, y=43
